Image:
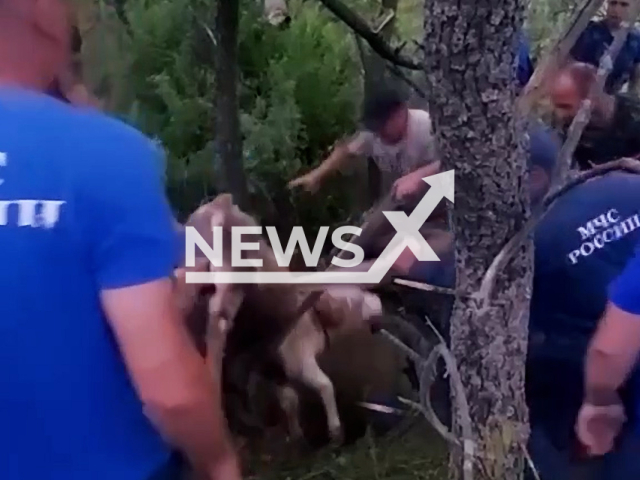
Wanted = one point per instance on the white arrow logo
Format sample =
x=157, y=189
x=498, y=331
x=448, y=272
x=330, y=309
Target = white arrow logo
x=407, y=235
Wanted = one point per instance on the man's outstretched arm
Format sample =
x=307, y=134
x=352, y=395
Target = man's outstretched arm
x=134, y=248
x=338, y=159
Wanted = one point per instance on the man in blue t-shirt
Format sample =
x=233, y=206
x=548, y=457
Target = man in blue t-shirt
x=581, y=245
x=98, y=377
x=598, y=37
x=612, y=356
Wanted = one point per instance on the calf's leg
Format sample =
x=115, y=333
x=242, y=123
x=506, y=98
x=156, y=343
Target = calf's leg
x=312, y=376
x=290, y=404
x=222, y=310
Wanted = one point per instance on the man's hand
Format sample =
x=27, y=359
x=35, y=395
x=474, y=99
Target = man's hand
x=408, y=186
x=598, y=426
x=227, y=469
x=309, y=182
x=186, y=293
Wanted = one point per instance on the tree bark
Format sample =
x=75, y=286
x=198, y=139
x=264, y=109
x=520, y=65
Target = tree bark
x=227, y=135
x=469, y=50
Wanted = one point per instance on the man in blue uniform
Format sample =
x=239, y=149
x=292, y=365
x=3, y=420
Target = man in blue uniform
x=581, y=245
x=611, y=359
x=98, y=377
x=596, y=39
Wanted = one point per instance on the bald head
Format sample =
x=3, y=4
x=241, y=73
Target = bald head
x=34, y=41
x=570, y=86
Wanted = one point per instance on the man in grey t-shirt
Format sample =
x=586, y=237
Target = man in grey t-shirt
x=400, y=141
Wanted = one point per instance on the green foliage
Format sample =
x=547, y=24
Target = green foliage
x=299, y=93
x=416, y=454
x=545, y=20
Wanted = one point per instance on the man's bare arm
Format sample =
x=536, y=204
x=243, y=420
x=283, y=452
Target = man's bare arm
x=339, y=158
x=336, y=161
x=171, y=378
x=611, y=355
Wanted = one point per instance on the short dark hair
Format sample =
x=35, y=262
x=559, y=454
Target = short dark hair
x=379, y=108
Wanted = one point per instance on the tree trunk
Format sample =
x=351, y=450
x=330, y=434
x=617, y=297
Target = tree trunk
x=469, y=66
x=228, y=139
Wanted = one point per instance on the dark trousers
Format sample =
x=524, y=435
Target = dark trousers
x=623, y=463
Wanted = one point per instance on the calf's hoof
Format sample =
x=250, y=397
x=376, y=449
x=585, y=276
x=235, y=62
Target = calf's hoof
x=336, y=436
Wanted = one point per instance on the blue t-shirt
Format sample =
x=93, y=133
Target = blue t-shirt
x=582, y=245
x=82, y=209
x=594, y=42
x=624, y=291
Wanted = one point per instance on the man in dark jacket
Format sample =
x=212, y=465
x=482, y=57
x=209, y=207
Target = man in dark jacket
x=596, y=39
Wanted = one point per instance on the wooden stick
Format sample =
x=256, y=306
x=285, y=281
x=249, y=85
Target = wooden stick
x=361, y=28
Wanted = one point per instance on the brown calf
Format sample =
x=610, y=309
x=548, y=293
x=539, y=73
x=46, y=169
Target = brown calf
x=263, y=324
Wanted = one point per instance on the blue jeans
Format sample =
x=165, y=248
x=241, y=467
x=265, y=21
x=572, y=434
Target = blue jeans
x=553, y=464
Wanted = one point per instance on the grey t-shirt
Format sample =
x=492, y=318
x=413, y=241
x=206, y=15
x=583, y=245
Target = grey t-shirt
x=415, y=150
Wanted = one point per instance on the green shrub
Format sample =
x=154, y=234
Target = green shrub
x=299, y=93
